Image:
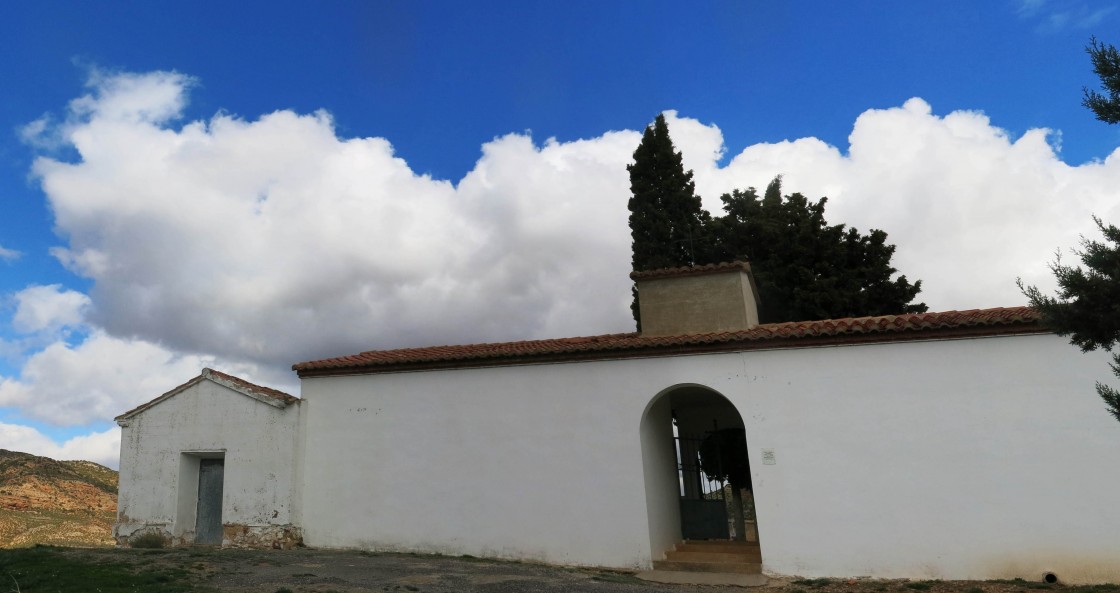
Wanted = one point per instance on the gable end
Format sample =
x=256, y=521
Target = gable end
x=265, y=395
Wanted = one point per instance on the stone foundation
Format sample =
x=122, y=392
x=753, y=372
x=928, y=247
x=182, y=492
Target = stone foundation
x=277, y=537
x=234, y=535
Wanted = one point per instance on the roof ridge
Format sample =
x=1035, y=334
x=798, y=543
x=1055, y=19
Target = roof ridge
x=236, y=383
x=261, y=389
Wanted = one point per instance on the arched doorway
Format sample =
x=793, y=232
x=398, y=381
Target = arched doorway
x=693, y=448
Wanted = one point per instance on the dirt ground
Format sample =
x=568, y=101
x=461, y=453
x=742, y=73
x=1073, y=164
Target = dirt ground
x=323, y=571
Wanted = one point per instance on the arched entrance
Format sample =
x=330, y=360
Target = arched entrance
x=697, y=474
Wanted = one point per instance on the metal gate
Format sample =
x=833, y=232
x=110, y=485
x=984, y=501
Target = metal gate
x=706, y=502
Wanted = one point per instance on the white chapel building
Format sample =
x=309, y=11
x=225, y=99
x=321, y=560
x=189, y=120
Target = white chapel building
x=954, y=445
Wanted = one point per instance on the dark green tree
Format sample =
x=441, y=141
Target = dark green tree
x=804, y=267
x=666, y=219
x=1087, y=307
x=1106, y=63
x=667, y=223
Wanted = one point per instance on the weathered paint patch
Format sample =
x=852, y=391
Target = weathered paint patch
x=234, y=535
x=277, y=537
x=1070, y=569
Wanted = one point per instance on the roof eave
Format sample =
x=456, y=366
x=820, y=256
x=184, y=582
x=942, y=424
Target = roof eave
x=216, y=377
x=658, y=349
x=154, y=402
x=265, y=399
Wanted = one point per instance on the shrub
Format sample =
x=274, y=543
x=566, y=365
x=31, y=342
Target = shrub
x=150, y=539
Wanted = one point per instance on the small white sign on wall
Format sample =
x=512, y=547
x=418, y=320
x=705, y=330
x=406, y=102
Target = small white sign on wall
x=768, y=457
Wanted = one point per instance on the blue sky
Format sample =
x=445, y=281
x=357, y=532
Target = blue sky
x=247, y=185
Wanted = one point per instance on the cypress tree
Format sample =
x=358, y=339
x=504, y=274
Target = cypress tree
x=1106, y=63
x=667, y=223
x=1087, y=307
x=805, y=268
x=666, y=219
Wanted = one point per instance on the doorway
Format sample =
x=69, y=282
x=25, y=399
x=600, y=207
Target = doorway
x=697, y=470
x=208, y=515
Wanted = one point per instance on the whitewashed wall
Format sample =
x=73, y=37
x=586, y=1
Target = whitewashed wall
x=976, y=458
x=257, y=440
x=961, y=459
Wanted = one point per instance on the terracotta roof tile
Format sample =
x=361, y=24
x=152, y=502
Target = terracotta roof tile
x=916, y=326
x=691, y=270
x=254, y=388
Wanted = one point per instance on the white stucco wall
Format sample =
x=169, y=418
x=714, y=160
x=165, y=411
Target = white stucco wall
x=968, y=459
x=160, y=448
x=662, y=482
x=478, y=462
x=980, y=458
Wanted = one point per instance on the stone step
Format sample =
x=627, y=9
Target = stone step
x=703, y=578
x=720, y=567
x=719, y=542
x=706, y=556
x=719, y=546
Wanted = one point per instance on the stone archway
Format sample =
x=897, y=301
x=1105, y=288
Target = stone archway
x=681, y=500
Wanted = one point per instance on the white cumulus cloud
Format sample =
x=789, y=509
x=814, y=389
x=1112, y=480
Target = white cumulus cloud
x=274, y=239
x=9, y=255
x=45, y=308
x=99, y=447
x=102, y=377
x=969, y=207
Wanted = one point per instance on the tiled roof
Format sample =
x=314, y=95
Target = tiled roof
x=917, y=326
x=691, y=270
x=258, y=392
x=252, y=387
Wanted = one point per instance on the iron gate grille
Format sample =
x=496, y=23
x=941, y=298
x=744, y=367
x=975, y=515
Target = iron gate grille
x=706, y=502
x=695, y=484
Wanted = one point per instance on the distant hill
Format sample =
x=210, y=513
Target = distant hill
x=44, y=501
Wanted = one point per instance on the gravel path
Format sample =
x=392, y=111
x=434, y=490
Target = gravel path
x=332, y=571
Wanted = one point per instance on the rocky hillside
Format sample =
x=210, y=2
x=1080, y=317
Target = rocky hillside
x=44, y=501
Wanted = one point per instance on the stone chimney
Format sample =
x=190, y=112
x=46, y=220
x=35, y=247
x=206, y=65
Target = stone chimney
x=698, y=300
